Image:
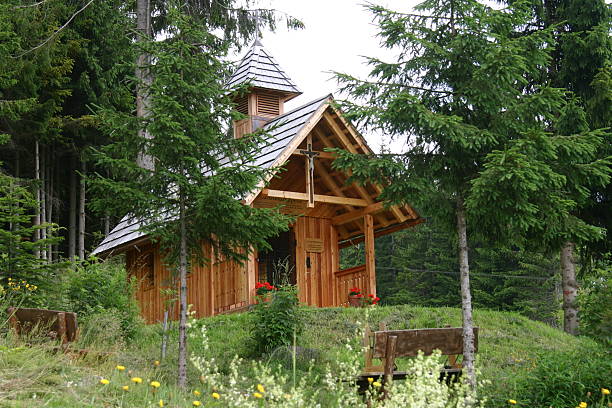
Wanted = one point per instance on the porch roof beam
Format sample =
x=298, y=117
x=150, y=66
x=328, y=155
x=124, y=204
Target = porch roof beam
x=293, y=195
x=357, y=214
x=320, y=155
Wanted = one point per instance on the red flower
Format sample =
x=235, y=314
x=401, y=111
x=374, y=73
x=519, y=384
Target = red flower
x=371, y=295
x=376, y=299
x=360, y=295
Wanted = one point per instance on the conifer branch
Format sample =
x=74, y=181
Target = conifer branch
x=56, y=32
x=30, y=5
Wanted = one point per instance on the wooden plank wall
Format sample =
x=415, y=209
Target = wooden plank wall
x=212, y=289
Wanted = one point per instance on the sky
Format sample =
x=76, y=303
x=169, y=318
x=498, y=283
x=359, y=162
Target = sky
x=337, y=34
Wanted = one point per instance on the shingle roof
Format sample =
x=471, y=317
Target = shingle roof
x=283, y=130
x=259, y=69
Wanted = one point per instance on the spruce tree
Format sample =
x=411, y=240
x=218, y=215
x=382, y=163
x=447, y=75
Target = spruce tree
x=572, y=204
x=191, y=197
x=455, y=94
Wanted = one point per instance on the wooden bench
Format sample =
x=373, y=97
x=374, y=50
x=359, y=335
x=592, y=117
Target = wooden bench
x=387, y=345
x=54, y=324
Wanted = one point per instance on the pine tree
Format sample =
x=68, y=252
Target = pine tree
x=192, y=196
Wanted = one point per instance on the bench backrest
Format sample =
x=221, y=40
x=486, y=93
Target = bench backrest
x=448, y=340
x=64, y=324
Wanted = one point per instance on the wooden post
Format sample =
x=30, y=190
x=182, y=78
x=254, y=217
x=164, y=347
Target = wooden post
x=335, y=264
x=251, y=278
x=309, y=172
x=370, y=259
x=211, y=279
x=389, y=361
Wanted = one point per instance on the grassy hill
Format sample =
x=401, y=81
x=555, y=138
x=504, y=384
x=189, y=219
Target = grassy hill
x=509, y=358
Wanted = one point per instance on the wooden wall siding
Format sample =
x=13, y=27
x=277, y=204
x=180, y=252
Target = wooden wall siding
x=215, y=288
x=355, y=277
x=224, y=286
x=230, y=280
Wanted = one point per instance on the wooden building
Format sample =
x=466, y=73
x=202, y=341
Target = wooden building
x=331, y=213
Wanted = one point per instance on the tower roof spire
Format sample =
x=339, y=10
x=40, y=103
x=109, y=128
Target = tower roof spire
x=260, y=70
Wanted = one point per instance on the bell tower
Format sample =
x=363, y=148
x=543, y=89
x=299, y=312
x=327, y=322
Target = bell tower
x=269, y=89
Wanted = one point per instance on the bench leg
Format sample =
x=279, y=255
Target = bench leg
x=61, y=328
x=389, y=361
x=13, y=321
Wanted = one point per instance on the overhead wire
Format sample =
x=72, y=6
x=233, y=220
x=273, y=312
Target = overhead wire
x=471, y=273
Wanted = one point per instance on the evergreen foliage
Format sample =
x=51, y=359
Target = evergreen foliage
x=419, y=267
x=17, y=259
x=191, y=199
x=195, y=163
x=456, y=92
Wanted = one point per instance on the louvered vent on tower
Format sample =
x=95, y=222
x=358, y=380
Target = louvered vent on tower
x=268, y=104
x=242, y=104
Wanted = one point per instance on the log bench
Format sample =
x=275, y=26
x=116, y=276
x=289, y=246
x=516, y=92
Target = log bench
x=387, y=345
x=54, y=324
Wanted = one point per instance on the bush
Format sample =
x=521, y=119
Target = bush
x=595, y=305
x=98, y=288
x=275, y=321
x=564, y=379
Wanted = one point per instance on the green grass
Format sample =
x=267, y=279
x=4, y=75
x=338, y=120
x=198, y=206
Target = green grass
x=32, y=376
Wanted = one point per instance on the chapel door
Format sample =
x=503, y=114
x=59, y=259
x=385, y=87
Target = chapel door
x=315, y=248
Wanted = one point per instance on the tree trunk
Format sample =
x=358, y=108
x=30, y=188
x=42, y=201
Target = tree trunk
x=570, y=289
x=143, y=27
x=466, y=296
x=82, y=212
x=182, y=358
x=106, y=224
x=50, y=169
x=43, y=200
x=38, y=194
x=72, y=216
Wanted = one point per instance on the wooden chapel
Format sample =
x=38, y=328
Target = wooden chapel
x=331, y=214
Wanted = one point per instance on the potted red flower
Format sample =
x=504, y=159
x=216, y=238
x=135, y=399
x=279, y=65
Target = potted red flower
x=264, y=291
x=355, y=297
x=372, y=300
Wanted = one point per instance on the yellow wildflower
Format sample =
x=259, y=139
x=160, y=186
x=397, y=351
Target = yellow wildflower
x=605, y=391
x=155, y=384
x=120, y=368
x=257, y=395
x=137, y=380
x=583, y=405
x=216, y=395
x=261, y=388
x=377, y=384
x=370, y=380
x=125, y=388
x=104, y=381
x=156, y=363
x=161, y=403
x=196, y=403
x=197, y=393
x=511, y=401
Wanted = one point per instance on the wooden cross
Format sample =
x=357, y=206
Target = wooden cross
x=309, y=156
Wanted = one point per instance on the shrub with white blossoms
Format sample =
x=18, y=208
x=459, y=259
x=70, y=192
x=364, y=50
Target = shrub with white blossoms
x=336, y=388
x=422, y=389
